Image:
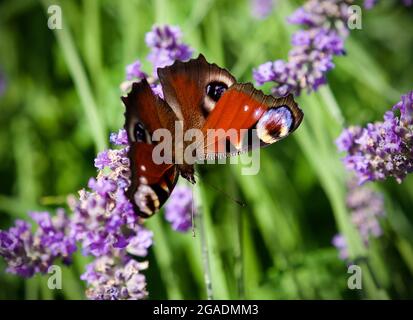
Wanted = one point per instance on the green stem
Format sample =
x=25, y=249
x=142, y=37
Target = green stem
x=239, y=265
x=204, y=246
x=215, y=261
x=163, y=11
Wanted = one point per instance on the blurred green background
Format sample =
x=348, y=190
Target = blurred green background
x=62, y=101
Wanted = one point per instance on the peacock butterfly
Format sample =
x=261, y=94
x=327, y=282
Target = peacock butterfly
x=197, y=95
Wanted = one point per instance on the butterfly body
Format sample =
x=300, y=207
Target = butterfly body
x=203, y=99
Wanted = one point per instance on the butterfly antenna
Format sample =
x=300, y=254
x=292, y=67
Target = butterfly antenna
x=237, y=201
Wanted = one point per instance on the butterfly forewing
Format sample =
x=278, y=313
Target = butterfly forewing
x=186, y=86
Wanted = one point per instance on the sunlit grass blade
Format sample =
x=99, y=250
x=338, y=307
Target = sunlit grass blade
x=83, y=88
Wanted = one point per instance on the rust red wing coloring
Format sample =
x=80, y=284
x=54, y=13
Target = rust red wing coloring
x=151, y=183
x=242, y=108
x=202, y=96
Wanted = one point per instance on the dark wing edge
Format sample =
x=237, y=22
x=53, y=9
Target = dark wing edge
x=151, y=184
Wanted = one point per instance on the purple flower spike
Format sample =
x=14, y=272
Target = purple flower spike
x=366, y=207
x=115, y=277
x=261, y=9
x=102, y=160
x=311, y=58
x=369, y=4
x=166, y=46
x=178, y=210
x=119, y=138
x=103, y=222
x=266, y=72
x=27, y=252
x=134, y=71
x=383, y=149
x=340, y=243
x=139, y=244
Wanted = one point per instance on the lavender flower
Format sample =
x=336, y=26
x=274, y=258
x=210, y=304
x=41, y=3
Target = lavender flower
x=133, y=74
x=107, y=228
x=340, y=243
x=119, y=138
x=178, y=210
x=313, y=50
x=102, y=160
x=262, y=8
x=366, y=207
x=166, y=46
x=115, y=277
x=104, y=224
x=104, y=217
x=383, y=149
x=133, y=71
x=369, y=4
x=103, y=221
x=27, y=253
x=157, y=89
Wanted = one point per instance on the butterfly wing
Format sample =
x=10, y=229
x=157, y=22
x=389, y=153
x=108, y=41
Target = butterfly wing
x=190, y=89
x=144, y=108
x=243, y=115
x=205, y=96
x=151, y=183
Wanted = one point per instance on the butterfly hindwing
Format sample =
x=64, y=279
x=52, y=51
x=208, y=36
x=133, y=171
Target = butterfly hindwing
x=151, y=183
x=244, y=110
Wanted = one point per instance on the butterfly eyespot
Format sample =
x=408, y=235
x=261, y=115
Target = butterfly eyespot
x=139, y=132
x=215, y=90
x=146, y=200
x=275, y=124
